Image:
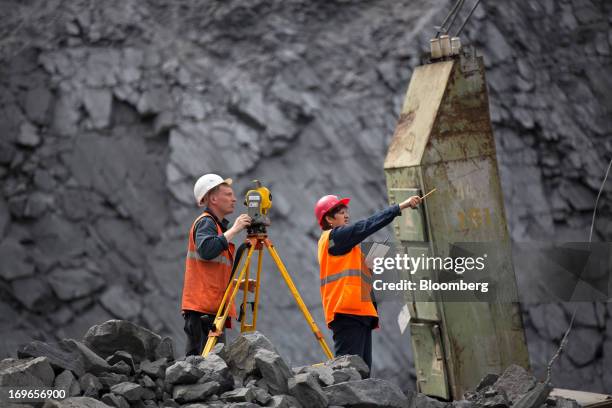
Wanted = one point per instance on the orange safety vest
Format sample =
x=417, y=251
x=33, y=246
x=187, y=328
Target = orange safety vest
x=346, y=282
x=206, y=280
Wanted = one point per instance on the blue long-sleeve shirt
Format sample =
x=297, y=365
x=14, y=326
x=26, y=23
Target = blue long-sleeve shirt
x=343, y=239
x=209, y=244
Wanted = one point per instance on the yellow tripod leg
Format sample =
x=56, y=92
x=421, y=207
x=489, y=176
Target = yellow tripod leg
x=313, y=326
x=244, y=326
x=228, y=298
x=245, y=291
x=256, y=304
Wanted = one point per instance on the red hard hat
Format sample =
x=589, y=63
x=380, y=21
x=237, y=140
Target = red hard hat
x=326, y=204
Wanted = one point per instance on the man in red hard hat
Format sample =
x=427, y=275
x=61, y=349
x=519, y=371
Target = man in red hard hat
x=344, y=276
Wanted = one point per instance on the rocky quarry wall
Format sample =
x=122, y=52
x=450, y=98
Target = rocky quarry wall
x=110, y=110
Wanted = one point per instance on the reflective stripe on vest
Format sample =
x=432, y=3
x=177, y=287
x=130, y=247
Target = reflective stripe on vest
x=220, y=258
x=344, y=274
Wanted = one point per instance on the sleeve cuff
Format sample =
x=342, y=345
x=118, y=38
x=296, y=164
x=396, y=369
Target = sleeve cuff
x=397, y=210
x=223, y=241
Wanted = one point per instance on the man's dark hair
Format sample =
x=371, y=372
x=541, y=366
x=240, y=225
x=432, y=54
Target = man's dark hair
x=332, y=213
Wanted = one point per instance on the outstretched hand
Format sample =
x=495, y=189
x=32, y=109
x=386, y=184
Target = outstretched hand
x=411, y=202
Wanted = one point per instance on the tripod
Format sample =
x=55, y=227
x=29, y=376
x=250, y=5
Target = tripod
x=258, y=240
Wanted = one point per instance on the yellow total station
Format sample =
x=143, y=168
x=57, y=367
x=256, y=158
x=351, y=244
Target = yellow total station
x=258, y=201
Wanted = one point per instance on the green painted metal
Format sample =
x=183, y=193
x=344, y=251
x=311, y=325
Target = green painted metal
x=444, y=139
x=419, y=309
x=429, y=358
x=410, y=227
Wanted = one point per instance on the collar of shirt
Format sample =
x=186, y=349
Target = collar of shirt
x=224, y=222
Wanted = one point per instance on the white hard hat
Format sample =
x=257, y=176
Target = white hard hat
x=206, y=183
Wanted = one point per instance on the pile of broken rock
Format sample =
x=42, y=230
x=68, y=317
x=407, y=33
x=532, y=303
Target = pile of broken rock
x=119, y=364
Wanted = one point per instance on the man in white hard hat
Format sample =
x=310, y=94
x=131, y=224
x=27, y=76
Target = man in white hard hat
x=210, y=255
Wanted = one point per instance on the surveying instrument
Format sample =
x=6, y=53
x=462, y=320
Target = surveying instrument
x=258, y=202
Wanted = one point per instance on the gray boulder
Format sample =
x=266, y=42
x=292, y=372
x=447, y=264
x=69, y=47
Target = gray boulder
x=536, y=397
x=323, y=373
x=31, y=372
x=110, y=379
x=489, y=397
x=260, y=395
x=148, y=394
x=146, y=381
x=122, y=367
x=220, y=350
x=76, y=402
x=67, y=354
x=182, y=372
x=306, y=389
x=368, y=393
x=283, y=401
x=114, y=400
x=345, y=374
x=90, y=385
x=487, y=381
x=515, y=381
x=193, y=360
x=170, y=403
x=194, y=392
x=423, y=401
x=121, y=356
x=67, y=381
x=461, y=404
x=240, y=354
x=213, y=368
x=242, y=394
x=155, y=369
x=128, y=390
x=273, y=370
x=114, y=335
x=349, y=361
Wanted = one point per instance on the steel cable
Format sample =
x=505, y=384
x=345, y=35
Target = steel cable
x=467, y=18
x=452, y=13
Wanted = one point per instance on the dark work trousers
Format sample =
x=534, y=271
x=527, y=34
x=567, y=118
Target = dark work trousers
x=353, y=335
x=197, y=334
